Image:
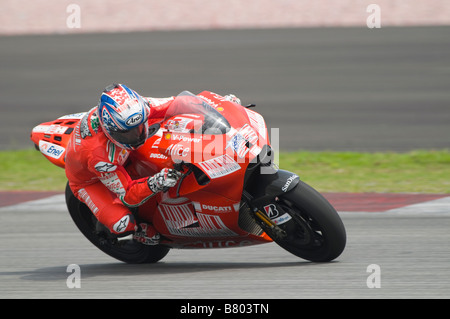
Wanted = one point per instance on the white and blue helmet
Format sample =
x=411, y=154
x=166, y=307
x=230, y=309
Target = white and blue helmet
x=123, y=116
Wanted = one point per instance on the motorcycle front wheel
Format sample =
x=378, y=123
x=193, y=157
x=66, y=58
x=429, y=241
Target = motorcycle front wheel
x=128, y=251
x=315, y=231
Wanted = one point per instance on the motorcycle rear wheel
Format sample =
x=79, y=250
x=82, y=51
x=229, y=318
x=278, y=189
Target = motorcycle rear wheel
x=315, y=232
x=128, y=251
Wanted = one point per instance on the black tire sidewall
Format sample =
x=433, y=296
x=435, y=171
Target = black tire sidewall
x=139, y=254
x=312, y=203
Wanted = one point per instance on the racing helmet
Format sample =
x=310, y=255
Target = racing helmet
x=123, y=116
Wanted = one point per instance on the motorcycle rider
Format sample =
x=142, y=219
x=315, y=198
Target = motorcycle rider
x=98, y=151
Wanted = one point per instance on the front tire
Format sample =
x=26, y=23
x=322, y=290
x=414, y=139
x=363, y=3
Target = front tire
x=315, y=232
x=128, y=251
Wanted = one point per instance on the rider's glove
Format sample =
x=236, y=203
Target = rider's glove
x=163, y=180
x=232, y=98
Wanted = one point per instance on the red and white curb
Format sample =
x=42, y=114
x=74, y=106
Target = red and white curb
x=388, y=202
x=343, y=202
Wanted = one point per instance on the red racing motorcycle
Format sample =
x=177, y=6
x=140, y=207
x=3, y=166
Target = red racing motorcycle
x=231, y=194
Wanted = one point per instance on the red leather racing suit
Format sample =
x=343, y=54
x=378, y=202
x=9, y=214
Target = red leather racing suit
x=96, y=173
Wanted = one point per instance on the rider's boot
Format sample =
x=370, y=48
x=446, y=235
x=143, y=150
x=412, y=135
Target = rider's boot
x=146, y=234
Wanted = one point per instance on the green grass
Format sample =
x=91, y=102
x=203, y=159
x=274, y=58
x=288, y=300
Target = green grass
x=29, y=170
x=416, y=172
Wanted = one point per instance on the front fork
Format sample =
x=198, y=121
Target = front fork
x=273, y=230
x=264, y=221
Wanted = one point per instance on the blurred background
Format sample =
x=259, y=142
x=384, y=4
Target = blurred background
x=341, y=75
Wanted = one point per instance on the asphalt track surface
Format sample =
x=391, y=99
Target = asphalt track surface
x=324, y=88
x=337, y=89
x=408, y=243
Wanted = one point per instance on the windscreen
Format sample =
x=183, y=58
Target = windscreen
x=187, y=103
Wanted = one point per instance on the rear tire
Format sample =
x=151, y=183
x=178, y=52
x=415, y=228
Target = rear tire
x=316, y=231
x=128, y=251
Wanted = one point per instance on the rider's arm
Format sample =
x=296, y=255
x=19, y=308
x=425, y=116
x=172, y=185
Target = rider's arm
x=132, y=193
x=118, y=181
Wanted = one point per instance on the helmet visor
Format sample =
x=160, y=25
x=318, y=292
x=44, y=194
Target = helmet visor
x=133, y=137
